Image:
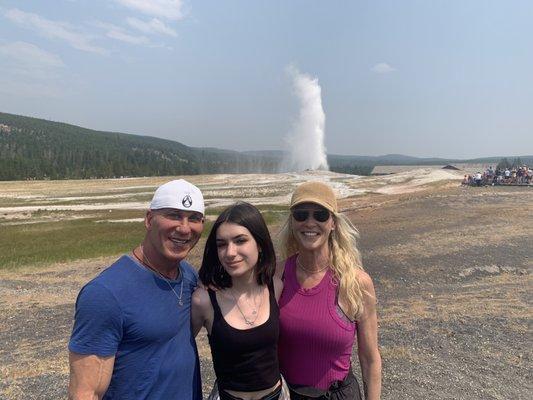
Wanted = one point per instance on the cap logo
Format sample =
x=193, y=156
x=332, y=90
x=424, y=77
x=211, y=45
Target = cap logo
x=187, y=201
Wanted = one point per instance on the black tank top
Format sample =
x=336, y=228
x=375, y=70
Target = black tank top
x=245, y=360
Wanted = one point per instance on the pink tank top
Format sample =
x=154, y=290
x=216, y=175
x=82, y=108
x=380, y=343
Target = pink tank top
x=315, y=343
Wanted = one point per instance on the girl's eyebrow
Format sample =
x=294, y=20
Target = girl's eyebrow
x=242, y=235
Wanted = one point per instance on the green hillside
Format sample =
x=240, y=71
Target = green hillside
x=32, y=148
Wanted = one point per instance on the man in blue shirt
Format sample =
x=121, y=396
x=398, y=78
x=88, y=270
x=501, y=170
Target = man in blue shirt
x=132, y=332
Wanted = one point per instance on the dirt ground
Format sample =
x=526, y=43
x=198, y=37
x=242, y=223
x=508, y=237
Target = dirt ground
x=452, y=269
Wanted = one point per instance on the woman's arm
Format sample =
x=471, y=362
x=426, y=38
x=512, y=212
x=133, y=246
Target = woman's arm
x=201, y=311
x=367, y=338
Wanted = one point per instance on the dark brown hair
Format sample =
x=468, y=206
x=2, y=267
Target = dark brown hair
x=244, y=214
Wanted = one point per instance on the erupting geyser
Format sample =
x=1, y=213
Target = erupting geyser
x=306, y=139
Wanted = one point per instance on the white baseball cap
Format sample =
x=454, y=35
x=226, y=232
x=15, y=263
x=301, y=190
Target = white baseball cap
x=178, y=194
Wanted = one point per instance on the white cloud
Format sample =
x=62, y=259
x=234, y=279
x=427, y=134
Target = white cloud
x=29, y=54
x=119, y=34
x=54, y=30
x=167, y=9
x=153, y=26
x=382, y=68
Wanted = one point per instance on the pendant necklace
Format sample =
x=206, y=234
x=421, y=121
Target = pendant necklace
x=145, y=261
x=255, y=309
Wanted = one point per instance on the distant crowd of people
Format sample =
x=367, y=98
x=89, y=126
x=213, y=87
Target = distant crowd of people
x=509, y=176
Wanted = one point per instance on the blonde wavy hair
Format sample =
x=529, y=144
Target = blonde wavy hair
x=345, y=260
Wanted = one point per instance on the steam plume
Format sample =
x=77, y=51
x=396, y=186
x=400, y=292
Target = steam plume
x=306, y=138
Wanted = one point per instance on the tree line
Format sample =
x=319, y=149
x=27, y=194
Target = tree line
x=506, y=164
x=36, y=149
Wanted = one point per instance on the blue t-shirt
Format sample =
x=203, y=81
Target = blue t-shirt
x=130, y=312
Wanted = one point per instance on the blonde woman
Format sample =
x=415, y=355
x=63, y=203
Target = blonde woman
x=327, y=302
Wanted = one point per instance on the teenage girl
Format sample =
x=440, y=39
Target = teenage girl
x=241, y=316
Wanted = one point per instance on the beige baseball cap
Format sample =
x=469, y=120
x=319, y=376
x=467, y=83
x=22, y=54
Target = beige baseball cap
x=315, y=192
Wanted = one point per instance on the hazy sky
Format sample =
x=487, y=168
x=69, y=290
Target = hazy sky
x=450, y=78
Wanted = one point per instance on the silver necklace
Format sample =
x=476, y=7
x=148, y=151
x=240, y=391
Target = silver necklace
x=149, y=266
x=309, y=271
x=255, y=311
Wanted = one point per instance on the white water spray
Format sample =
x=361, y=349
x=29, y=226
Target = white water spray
x=306, y=139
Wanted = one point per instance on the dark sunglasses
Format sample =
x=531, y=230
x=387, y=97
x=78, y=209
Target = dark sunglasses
x=318, y=215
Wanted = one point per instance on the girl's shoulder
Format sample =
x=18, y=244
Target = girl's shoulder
x=201, y=300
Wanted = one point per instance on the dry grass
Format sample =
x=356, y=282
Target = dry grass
x=440, y=242
x=502, y=295
x=404, y=353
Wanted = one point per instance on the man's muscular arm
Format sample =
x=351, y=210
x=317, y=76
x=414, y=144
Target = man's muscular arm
x=89, y=376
